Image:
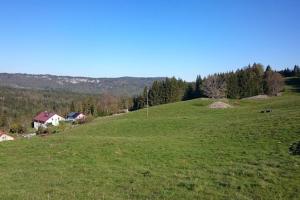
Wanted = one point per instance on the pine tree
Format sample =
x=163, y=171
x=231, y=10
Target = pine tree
x=232, y=85
x=251, y=80
x=198, y=84
x=154, y=94
x=189, y=92
x=296, y=71
x=243, y=83
x=72, y=107
x=268, y=68
x=258, y=72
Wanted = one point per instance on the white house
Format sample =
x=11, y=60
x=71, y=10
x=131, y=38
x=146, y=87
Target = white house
x=44, y=119
x=5, y=137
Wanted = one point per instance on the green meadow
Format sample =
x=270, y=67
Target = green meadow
x=182, y=150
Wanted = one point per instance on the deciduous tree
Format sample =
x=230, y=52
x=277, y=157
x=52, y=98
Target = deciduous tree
x=273, y=83
x=214, y=86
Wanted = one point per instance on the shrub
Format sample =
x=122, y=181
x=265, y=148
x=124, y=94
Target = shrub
x=42, y=130
x=187, y=185
x=17, y=128
x=84, y=120
x=295, y=148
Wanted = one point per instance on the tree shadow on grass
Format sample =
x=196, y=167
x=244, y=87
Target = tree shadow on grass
x=293, y=83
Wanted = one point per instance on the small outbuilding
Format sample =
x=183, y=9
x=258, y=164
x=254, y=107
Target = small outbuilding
x=5, y=137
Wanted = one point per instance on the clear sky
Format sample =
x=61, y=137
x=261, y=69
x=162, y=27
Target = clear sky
x=181, y=38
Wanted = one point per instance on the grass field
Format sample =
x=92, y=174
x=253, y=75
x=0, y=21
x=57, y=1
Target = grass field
x=182, y=151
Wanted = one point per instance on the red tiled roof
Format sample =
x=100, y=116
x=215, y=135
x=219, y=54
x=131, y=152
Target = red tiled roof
x=43, y=117
x=2, y=133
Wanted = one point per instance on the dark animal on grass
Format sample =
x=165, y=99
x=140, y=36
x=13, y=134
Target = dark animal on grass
x=295, y=148
x=266, y=111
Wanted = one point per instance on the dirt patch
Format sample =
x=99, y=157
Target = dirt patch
x=204, y=98
x=219, y=99
x=219, y=105
x=261, y=96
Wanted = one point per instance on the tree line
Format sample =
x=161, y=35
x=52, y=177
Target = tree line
x=287, y=72
x=161, y=92
x=249, y=81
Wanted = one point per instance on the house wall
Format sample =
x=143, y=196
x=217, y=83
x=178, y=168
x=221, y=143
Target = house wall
x=81, y=116
x=36, y=125
x=54, y=120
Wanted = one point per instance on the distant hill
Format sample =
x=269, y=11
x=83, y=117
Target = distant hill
x=116, y=86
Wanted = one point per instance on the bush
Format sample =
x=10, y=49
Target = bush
x=80, y=121
x=17, y=128
x=295, y=148
x=53, y=129
x=84, y=120
x=42, y=130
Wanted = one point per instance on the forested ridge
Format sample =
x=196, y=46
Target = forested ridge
x=86, y=85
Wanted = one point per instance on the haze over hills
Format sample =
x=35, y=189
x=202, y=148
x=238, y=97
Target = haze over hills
x=117, y=86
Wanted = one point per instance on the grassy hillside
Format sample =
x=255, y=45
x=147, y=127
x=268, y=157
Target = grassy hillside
x=182, y=151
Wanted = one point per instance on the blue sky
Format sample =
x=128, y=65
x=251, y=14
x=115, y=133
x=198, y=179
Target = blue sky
x=113, y=38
